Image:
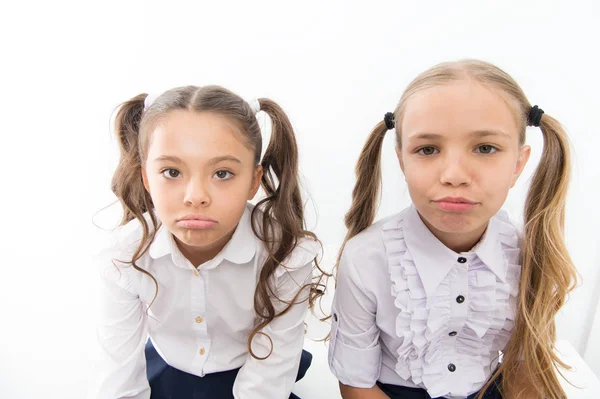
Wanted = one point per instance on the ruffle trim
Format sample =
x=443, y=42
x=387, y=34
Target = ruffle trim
x=422, y=323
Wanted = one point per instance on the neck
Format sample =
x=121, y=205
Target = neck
x=458, y=242
x=199, y=255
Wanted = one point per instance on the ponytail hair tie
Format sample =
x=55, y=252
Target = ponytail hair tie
x=535, y=116
x=254, y=105
x=149, y=100
x=389, y=120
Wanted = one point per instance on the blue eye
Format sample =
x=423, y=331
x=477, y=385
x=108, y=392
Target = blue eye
x=427, y=151
x=487, y=149
x=170, y=173
x=223, y=175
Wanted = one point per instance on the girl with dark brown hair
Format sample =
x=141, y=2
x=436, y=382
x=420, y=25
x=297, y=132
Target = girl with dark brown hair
x=220, y=286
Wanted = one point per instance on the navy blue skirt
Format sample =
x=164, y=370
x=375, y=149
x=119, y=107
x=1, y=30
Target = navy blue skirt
x=400, y=392
x=167, y=382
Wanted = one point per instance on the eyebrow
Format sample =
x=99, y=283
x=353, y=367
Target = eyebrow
x=224, y=158
x=167, y=158
x=476, y=133
x=174, y=159
x=485, y=133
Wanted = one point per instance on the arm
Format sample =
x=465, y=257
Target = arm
x=354, y=350
x=274, y=377
x=362, y=393
x=120, y=370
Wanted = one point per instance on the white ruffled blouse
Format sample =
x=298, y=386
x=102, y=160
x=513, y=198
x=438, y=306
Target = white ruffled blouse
x=409, y=311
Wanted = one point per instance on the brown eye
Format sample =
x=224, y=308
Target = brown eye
x=171, y=173
x=223, y=175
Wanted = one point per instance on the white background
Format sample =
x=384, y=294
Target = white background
x=335, y=67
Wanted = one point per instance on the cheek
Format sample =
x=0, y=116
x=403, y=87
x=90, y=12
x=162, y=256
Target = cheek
x=495, y=182
x=164, y=192
x=497, y=176
x=501, y=189
x=232, y=194
x=230, y=203
x=419, y=177
x=418, y=189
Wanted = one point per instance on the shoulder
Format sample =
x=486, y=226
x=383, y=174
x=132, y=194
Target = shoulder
x=364, y=257
x=112, y=260
x=306, y=248
x=123, y=241
x=370, y=242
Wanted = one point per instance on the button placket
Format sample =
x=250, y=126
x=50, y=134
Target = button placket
x=463, y=285
x=459, y=309
x=198, y=284
x=198, y=305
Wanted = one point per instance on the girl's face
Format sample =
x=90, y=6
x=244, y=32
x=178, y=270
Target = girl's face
x=460, y=155
x=199, y=174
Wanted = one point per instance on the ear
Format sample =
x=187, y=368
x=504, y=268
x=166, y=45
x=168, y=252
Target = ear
x=524, y=154
x=145, y=179
x=399, y=155
x=256, y=178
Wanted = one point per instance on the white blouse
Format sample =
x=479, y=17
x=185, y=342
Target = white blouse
x=409, y=311
x=201, y=318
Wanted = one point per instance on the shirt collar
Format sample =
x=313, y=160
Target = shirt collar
x=434, y=260
x=240, y=249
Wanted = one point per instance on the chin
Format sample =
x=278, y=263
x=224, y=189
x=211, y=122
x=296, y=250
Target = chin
x=452, y=222
x=197, y=238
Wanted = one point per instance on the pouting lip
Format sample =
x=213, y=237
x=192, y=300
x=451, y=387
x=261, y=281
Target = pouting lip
x=196, y=217
x=456, y=200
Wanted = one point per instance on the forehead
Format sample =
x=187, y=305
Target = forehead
x=458, y=108
x=196, y=135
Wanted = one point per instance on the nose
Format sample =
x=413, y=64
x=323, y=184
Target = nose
x=455, y=171
x=197, y=194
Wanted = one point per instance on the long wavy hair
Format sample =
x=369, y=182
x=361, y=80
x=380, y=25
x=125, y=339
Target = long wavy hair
x=548, y=273
x=277, y=219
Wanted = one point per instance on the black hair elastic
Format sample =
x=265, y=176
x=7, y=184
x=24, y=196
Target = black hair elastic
x=389, y=120
x=535, y=116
